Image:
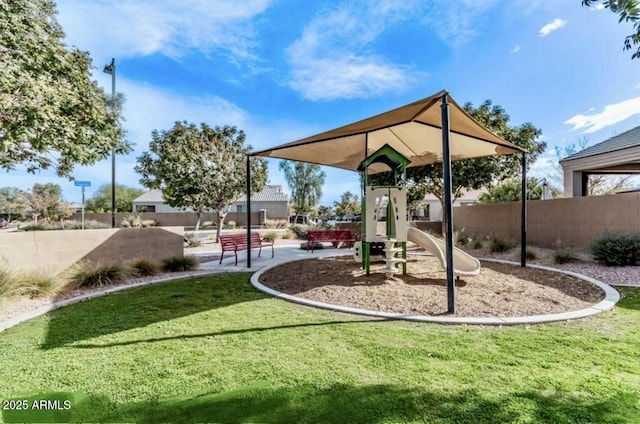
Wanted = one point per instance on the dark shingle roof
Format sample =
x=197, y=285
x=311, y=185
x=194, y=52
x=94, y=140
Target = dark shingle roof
x=625, y=140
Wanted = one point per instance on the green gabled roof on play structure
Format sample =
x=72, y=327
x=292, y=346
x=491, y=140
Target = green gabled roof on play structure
x=387, y=155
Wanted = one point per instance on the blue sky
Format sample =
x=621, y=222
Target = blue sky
x=284, y=69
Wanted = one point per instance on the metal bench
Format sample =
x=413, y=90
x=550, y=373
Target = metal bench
x=334, y=236
x=238, y=242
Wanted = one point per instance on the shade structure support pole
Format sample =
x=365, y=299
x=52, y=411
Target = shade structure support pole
x=523, y=214
x=448, y=215
x=248, y=210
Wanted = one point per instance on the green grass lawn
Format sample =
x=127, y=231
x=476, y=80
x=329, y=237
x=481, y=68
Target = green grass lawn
x=214, y=349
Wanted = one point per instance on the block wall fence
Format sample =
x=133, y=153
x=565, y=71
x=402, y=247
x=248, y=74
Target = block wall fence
x=550, y=223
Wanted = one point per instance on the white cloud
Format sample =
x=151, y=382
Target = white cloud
x=551, y=26
x=515, y=49
x=610, y=115
x=129, y=28
x=332, y=58
x=456, y=21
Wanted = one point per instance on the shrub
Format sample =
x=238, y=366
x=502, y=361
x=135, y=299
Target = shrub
x=460, y=239
x=179, y=264
x=37, y=284
x=39, y=226
x=499, y=245
x=614, y=249
x=97, y=274
x=477, y=244
x=286, y=235
x=565, y=255
x=88, y=224
x=531, y=254
x=275, y=223
x=8, y=284
x=131, y=220
x=270, y=236
x=144, y=268
x=191, y=240
x=299, y=231
x=146, y=223
x=231, y=225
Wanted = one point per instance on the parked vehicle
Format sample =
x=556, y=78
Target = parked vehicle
x=301, y=219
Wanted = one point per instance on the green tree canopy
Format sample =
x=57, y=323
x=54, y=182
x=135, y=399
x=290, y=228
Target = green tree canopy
x=51, y=113
x=305, y=181
x=349, y=204
x=13, y=202
x=473, y=174
x=628, y=11
x=200, y=167
x=46, y=201
x=101, y=199
x=511, y=191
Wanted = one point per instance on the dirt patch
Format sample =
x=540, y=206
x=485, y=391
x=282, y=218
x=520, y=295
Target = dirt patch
x=498, y=291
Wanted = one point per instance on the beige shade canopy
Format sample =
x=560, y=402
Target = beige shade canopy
x=414, y=130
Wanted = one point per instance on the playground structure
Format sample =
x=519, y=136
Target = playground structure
x=392, y=200
x=432, y=130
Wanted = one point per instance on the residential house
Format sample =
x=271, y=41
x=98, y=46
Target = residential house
x=271, y=199
x=432, y=210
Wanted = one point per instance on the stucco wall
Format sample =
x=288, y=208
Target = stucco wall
x=567, y=222
x=54, y=251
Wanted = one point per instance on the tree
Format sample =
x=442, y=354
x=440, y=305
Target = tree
x=349, y=204
x=51, y=113
x=628, y=11
x=305, y=181
x=200, y=167
x=473, y=174
x=101, y=199
x=46, y=201
x=13, y=202
x=511, y=191
x=415, y=198
x=325, y=211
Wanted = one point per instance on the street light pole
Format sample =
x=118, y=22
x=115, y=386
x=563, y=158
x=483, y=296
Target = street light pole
x=111, y=70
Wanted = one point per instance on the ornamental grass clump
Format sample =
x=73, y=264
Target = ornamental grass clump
x=191, y=240
x=97, y=274
x=144, y=268
x=270, y=236
x=179, y=264
x=565, y=255
x=616, y=249
x=299, y=231
x=499, y=245
x=32, y=284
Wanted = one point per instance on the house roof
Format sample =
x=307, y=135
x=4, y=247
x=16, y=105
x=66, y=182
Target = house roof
x=622, y=141
x=413, y=130
x=270, y=193
x=151, y=196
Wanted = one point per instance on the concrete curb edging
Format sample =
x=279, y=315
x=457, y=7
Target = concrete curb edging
x=611, y=298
